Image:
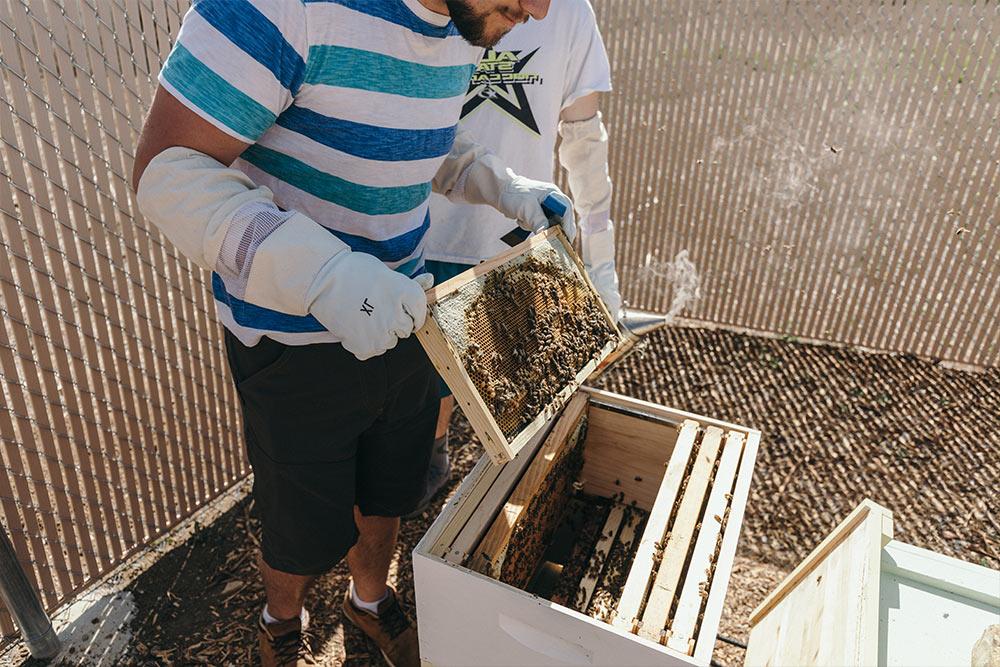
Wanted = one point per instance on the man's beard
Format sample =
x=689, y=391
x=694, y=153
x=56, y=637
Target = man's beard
x=471, y=25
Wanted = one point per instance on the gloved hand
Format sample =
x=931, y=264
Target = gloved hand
x=471, y=174
x=521, y=199
x=366, y=304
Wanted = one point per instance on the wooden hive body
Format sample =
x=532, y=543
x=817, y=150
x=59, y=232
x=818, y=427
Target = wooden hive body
x=673, y=488
x=863, y=598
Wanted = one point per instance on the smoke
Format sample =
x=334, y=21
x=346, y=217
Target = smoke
x=681, y=275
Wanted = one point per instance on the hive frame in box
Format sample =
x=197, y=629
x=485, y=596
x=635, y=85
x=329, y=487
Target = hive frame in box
x=469, y=617
x=491, y=549
x=448, y=363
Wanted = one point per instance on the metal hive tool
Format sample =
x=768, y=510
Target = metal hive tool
x=515, y=336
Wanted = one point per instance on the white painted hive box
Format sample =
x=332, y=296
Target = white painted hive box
x=862, y=598
x=691, y=474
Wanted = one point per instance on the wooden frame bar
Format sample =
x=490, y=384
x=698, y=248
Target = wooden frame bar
x=698, y=577
x=727, y=554
x=682, y=532
x=491, y=551
x=656, y=525
x=447, y=361
x=601, y=550
x=497, y=494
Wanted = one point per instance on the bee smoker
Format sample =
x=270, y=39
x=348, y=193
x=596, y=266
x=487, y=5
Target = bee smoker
x=634, y=326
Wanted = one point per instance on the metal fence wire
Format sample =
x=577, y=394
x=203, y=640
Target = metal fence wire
x=833, y=169
x=118, y=417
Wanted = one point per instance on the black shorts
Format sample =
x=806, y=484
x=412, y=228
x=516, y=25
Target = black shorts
x=326, y=432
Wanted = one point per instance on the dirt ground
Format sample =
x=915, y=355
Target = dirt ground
x=839, y=425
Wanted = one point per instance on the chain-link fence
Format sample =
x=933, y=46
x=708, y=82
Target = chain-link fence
x=833, y=169
x=118, y=418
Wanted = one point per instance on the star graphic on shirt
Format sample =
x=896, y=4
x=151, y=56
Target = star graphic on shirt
x=500, y=80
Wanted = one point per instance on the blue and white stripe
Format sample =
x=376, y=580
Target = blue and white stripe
x=349, y=107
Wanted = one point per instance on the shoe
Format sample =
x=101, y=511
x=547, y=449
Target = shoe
x=284, y=644
x=392, y=630
x=438, y=474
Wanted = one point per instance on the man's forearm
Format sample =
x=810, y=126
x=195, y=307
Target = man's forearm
x=584, y=155
x=223, y=222
x=452, y=174
x=473, y=175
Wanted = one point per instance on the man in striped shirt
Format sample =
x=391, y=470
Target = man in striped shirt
x=291, y=149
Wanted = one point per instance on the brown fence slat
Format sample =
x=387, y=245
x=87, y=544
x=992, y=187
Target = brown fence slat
x=119, y=419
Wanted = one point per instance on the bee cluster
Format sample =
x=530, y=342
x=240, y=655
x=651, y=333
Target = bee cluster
x=585, y=520
x=531, y=329
x=611, y=581
x=533, y=532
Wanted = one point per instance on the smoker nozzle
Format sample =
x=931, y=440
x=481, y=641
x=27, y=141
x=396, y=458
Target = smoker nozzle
x=633, y=325
x=638, y=323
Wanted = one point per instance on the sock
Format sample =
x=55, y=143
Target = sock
x=268, y=619
x=367, y=606
x=441, y=444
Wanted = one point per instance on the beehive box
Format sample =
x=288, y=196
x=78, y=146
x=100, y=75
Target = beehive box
x=515, y=336
x=862, y=598
x=673, y=487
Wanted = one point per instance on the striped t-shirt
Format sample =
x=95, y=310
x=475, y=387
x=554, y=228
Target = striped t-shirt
x=350, y=106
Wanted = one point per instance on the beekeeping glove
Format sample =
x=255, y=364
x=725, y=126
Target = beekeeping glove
x=583, y=153
x=277, y=259
x=471, y=174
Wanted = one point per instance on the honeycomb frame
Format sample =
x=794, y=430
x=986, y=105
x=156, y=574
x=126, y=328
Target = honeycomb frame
x=448, y=338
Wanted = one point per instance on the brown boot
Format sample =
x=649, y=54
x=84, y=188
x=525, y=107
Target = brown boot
x=392, y=630
x=284, y=644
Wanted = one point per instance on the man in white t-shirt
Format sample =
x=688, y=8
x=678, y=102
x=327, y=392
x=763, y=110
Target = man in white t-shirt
x=542, y=79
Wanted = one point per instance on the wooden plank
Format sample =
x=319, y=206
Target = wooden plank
x=601, y=550
x=682, y=532
x=698, y=579
x=448, y=364
x=639, y=407
x=490, y=504
x=492, y=550
x=624, y=454
x=866, y=621
x=705, y=644
x=624, y=541
x=637, y=582
x=457, y=510
x=826, y=610
x=838, y=535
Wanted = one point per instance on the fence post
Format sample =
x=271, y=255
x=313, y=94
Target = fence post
x=24, y=605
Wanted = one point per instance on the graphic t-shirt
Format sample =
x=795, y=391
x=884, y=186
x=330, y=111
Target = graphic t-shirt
x=350, y=106
x=512, y=107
